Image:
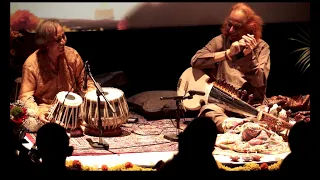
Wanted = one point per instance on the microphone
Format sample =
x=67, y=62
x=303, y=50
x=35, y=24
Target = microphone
x=194, y=92
x=85, y=78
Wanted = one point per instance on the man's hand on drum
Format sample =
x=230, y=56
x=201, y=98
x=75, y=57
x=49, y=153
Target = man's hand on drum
x=43, y=117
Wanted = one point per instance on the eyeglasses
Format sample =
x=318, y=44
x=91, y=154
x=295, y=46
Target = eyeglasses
x=235, y=25
x=59, y=38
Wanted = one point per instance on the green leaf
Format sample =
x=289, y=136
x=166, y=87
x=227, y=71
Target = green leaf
x=304, y=57
x=301, y=49
x=307, y=41
x=307, y=44
x=307, y=67
x=304, y=62
x=303, y=38
x=15, y=111
x=305, y=33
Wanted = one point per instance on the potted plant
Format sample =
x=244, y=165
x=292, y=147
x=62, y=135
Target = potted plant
x=304, y=58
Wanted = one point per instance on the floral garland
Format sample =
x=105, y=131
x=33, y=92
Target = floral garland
x=128, y=166
x=251, y=166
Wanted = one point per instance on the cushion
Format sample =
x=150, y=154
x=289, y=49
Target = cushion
x=112, y=79
x=149, y=104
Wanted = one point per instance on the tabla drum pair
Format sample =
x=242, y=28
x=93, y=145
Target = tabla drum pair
x=71, y=111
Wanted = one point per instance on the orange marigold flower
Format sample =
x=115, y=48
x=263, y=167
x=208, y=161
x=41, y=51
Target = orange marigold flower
x=76, y=164
x=104, y=167
x=128, y=165
x=264, y=166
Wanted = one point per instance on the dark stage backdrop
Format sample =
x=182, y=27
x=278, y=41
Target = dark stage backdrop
x=154, y=58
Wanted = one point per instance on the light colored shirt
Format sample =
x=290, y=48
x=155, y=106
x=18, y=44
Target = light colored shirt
x=249, y=72
x=41, y=81
x=253, y=68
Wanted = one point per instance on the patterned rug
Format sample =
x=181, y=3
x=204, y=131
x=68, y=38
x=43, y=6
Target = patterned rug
x=142, y=136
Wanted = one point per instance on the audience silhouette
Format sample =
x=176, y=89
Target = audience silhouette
x=13, y=144
x=18, y=154
x=195, y=148
x=300, y=158
x=53, y=148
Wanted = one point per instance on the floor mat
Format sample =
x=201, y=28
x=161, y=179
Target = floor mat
x=143, y=136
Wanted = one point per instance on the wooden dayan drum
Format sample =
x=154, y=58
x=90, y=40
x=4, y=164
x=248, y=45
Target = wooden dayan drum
x=111, y=122
x=65, y=111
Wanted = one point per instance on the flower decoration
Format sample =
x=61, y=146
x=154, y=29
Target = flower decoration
x=18, y=113
x=128, y=166
x=24, y=19
x=15, y=38
x=24, y=116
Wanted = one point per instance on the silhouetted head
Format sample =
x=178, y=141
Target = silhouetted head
x=299, y=137
x=53, y=142
x=199, y=136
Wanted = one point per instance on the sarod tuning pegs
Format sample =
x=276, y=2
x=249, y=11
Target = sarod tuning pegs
x=250, y=98
x=243, y=94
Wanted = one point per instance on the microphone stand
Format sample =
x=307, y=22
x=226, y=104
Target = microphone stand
x=101, y=143
x=85, y=85
x=178, y=99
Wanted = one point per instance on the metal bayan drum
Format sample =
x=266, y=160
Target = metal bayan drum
x=65, y=111
x=111, y=122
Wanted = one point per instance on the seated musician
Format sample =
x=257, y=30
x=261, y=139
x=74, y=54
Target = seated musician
x=239, y=56
x=52, y=68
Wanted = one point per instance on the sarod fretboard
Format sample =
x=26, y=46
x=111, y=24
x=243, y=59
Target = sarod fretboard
x=229, y=99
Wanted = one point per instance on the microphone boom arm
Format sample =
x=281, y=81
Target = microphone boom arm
x=99, y=89
x=85, y=84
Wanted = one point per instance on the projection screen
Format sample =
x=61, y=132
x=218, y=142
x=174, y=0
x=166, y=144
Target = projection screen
x=99, y=16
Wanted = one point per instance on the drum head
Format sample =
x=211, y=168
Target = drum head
x=109, y=92
x=69, y=99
